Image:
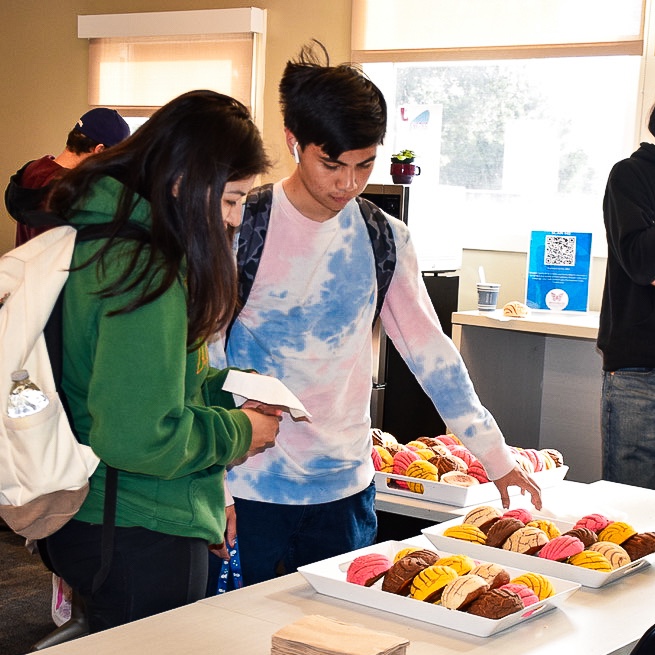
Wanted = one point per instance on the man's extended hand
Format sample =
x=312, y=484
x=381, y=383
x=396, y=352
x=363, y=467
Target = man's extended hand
x=517, y=477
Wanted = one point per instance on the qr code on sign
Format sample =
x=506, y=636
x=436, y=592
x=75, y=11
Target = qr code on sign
x=560, y=250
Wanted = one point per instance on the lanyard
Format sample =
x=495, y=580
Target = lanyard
x=230, y=570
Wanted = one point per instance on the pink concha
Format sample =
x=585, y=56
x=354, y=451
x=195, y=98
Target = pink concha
x=594, y=522
x=463, y=453
x=561, y=548
x=523, y=515
x=536, y=458
x=377, y=460
x=528, y=597
x=447, y=440
x=367, y=568
x=402, y=460
x=478, y=471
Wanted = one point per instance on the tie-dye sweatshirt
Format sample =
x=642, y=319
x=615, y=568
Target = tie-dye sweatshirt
x=308, y=322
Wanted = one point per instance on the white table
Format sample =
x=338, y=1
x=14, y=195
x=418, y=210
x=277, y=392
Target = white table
x=540, y=377
x=593, y=622
x=606, y=621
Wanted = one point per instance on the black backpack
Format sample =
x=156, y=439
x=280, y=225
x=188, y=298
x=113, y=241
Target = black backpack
x=254, y=226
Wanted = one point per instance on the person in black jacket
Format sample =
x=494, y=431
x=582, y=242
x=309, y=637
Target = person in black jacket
x=96, y=130
x=626, y=335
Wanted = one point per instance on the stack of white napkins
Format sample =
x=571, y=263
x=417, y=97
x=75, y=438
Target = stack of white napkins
x=318, y=635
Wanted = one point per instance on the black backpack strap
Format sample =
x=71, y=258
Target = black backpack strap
x=250, y=245
x=384, y=247
x=53, y=328
x=254, y=226
x=108, y=527
x=53, y=333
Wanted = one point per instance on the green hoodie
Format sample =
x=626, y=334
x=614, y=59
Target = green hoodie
x=146, y=405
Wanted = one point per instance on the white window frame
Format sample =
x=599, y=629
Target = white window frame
x=187, y=23
x=641, y=44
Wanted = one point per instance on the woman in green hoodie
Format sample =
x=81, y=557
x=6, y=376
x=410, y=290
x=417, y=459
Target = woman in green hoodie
x=138, y=312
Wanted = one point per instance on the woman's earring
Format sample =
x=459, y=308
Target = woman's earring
x=296, y=156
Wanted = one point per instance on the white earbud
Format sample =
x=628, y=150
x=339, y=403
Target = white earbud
x=296, y=156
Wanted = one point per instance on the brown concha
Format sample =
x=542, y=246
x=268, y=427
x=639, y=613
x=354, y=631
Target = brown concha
x=501, y=530
x=447, y=463
x=376, y=437
x=398, y=579
x=585, y=535
x=639, y=545
x=496, y=604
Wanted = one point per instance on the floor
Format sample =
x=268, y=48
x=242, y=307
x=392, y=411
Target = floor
x=25, y=595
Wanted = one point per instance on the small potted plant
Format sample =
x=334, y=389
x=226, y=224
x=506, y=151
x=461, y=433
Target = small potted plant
x=403, y=168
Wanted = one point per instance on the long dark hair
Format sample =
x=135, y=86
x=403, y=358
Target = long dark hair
x=180, y=161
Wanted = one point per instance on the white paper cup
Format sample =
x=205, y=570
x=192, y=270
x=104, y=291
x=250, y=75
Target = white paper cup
x=487, y=296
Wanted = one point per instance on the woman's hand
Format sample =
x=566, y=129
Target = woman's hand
x=221, y=550
x=265, y=421
x=517, y=477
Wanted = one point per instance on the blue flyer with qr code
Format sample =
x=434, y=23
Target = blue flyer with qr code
x=558, y=271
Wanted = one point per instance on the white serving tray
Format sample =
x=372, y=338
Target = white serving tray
x=450, y=494
x=585, y=577
x=328, y=577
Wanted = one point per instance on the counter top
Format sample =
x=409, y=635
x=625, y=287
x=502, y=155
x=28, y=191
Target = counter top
x=582, y=325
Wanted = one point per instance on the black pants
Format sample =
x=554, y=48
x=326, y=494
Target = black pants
x=150, y=572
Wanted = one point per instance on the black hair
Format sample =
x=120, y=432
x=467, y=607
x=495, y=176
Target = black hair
x=79, y=143
x=651, y=121
x=180, y=161
x=336, y=108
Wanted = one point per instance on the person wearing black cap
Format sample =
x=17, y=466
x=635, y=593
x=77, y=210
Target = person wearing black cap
x=96, y=130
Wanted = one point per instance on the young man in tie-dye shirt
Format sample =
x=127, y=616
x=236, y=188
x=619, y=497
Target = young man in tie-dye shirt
x=308, y=322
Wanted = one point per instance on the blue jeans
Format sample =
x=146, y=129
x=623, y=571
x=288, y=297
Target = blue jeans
x=628, y=426
x=276, y=539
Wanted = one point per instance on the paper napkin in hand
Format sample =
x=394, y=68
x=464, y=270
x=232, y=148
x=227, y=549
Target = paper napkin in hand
x=319, y=635
x=265, y=389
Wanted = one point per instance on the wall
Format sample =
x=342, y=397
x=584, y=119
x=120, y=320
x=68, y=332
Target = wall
x=509, y=268
x=43, y=69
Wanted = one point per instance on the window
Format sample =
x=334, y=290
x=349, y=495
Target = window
x=511, y=136
x=138, y=62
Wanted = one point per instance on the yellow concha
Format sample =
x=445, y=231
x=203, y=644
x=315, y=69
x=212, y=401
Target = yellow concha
x=540, y=584
x=547, y=526
x=431, y=580
x=461, y=563
x=590, y=559
x=386, y=457
x=466, y=532
x=415, y=445
x=422, y=470
x=616, y=532
x=404, y=551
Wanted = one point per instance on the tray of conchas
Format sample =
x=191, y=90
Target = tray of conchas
x=443, y=470
x=592, y=551
x=443, y=588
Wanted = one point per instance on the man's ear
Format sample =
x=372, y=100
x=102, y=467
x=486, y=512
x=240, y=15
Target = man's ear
x=290, y=139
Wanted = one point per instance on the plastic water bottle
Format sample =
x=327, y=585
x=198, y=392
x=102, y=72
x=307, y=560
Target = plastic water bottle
x=25, y=397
